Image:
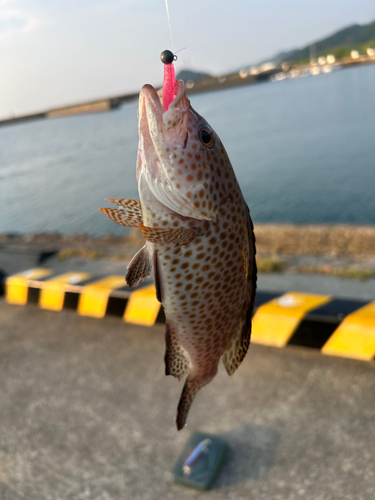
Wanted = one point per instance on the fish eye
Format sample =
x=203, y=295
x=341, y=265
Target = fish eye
x=206, y=137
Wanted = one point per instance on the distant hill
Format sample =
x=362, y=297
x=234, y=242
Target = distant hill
x=188, y=74
x=348, y=38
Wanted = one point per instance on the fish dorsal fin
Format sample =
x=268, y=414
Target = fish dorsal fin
x=237, y=349
x=239, y=344
x=139, y=268
x=176, y=359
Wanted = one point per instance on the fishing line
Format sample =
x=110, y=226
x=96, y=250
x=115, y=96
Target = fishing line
x=169, y=24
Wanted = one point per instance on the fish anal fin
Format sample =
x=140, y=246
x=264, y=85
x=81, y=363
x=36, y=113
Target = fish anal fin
x=139, y=268
x=176, y=359
x=179, y=236
x=128, y=214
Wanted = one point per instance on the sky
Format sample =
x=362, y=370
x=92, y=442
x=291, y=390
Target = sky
x=57, y=52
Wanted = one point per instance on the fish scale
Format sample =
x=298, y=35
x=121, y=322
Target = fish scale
x=199, y=241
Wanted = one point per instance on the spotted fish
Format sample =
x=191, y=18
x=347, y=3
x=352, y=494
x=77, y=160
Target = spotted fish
x=199, y=241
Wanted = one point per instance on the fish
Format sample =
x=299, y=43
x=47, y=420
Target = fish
x=199, y=241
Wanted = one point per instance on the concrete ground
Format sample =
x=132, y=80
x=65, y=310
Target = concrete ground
x=87, y=413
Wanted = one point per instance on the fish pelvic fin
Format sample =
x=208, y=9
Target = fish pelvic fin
x=128, y=214
x=239, y=344
x=139, y=268
x=193, y=383
x=176, y=359
x=157, y=278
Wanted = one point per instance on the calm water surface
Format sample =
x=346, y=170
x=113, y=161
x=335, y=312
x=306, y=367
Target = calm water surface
x=303, y=151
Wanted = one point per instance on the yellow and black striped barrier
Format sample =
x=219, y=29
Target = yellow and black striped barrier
x=337, y=327
x=88, y=295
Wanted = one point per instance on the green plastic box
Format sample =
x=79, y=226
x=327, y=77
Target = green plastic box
x=206, y=466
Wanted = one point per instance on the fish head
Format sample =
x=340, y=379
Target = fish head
x=179, y=154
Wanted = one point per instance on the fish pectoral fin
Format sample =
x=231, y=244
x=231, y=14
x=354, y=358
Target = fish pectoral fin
x=176, y=359
x=179, y=236
x=128, y=214
x=139, y=268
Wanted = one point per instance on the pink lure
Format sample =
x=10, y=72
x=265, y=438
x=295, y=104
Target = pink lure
x=168, y=85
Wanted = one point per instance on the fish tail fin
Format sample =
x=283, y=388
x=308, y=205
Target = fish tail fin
x=192, y=385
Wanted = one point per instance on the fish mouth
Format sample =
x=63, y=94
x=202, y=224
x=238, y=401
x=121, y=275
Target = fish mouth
x=160, y=132
x=168, y=127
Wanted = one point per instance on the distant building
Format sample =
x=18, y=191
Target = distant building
x=268, y=66
x=254, y=71
x=370, y=51
x=315, y=70
x=330, y=59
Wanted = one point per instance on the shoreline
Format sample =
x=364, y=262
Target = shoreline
x=341, y=240
x=212, y=84
x=345, y=251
